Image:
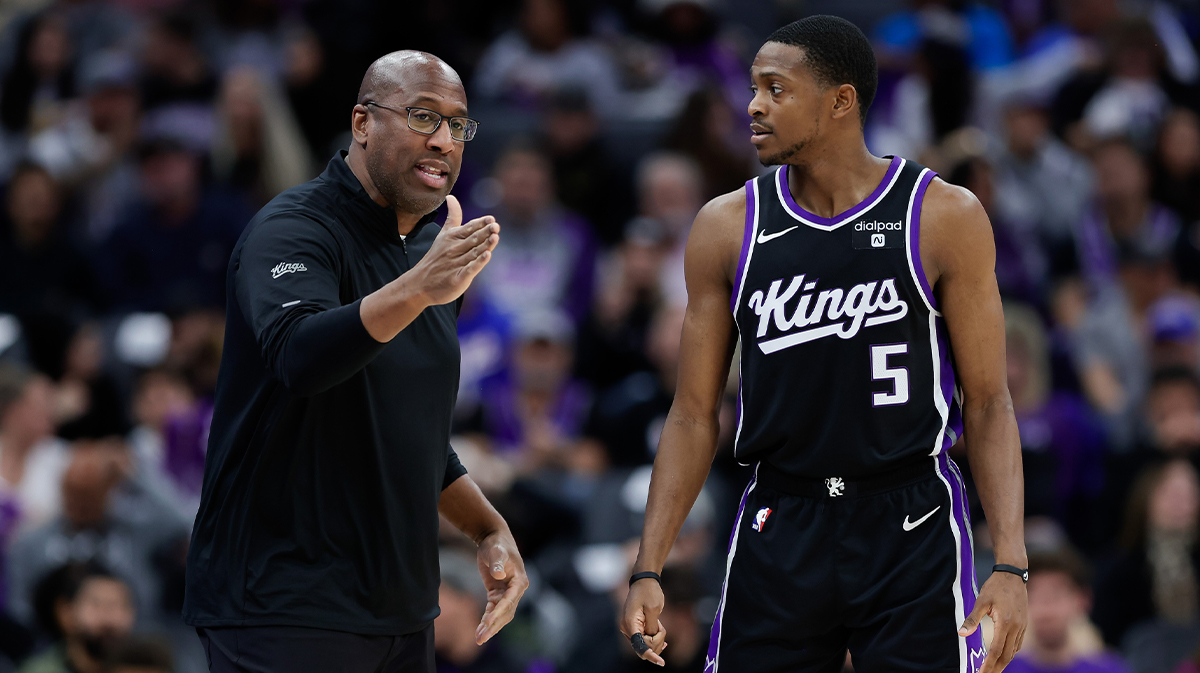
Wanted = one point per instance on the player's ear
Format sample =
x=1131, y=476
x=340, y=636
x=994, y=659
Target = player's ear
x=844, y=98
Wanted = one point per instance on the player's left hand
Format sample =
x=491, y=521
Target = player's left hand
x=504, y=576
x=1003, y=598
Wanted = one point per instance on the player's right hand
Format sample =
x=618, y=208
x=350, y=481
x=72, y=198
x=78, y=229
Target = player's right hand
x=643, y=605
x=457, y=255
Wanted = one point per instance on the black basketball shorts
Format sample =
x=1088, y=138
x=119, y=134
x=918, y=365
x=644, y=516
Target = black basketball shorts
x=884, y=571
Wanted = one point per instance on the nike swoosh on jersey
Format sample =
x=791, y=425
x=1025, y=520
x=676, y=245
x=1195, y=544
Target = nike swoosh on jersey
x=911, y=525
x=763, y=236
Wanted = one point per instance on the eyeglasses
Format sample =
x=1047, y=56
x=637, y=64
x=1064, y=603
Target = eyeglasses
x=427, y=121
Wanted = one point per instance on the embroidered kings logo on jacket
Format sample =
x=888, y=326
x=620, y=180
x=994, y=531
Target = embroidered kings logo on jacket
x=815, y=315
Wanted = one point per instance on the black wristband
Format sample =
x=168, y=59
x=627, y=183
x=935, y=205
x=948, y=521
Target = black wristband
x=1023, y=573
x=647, y=575
x=639, y=644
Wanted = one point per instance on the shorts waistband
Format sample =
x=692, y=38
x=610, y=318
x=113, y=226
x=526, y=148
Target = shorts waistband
x=903, y=473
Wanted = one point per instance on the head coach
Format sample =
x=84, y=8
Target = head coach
x=315, y=547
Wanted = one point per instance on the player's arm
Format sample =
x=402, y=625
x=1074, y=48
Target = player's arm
x=959, y=253
x=689, y=438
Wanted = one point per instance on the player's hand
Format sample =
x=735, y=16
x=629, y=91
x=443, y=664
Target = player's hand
x=1003, y=598
x=643, y=605
x=504, y=576
x=457, y=255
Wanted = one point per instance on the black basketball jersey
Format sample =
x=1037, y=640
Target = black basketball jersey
x=845, y=363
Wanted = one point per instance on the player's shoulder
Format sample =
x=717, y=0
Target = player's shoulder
x=730, y=206
x=721, y=220
x=945, y=202
x=952, y=213
x=955, y=232
x=716, y=237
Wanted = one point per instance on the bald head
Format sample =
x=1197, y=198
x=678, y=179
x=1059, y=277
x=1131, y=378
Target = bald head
x=410, y=170
x=405, y=70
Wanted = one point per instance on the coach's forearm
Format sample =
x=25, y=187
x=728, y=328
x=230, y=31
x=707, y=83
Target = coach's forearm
x=465, y=506
x=994, y=451
x=388, y=310
x=685, y=455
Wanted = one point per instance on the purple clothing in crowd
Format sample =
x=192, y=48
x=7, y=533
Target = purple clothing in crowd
x=502, y=420
x=1063, y=448
x=546, y=264
x=186, y=443
x=10, y=521
x=1099, y=663
x=716, y=63
x=1099, y=250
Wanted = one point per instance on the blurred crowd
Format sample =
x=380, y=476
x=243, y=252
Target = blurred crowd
x=137, y=137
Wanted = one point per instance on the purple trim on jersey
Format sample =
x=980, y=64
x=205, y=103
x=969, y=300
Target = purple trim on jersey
x=747, y=241
x=966, y=580
x=946, y=372
x=790, y=202
x=962, y=494
x=714, y=639
x=914, y=233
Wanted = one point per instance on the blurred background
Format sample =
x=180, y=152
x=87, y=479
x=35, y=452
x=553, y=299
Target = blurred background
x=137, y=137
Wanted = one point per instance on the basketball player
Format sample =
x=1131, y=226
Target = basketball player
x=864, y=293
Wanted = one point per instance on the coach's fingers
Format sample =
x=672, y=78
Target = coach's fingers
x=453, y=213
x=484, y=239
x=497, y=562
x=498, y=614
x=476, y=265
x=473, y=233
x=481, y=228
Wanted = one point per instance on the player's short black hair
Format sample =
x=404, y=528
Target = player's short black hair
x=837, y=52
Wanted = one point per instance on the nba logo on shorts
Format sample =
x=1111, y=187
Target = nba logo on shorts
x=877, y=240
x=760, y=519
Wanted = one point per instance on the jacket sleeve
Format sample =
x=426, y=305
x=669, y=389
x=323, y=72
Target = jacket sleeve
x=454, y=469
x=287, y=287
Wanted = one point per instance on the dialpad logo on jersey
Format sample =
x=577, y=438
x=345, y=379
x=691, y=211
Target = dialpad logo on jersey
x=287, y=267
x=877, y=235
x=760, y=519
x=816, y=315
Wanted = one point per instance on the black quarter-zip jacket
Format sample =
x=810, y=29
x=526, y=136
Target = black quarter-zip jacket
x=328, y=450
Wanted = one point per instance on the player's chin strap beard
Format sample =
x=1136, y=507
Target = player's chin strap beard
x=782, y=156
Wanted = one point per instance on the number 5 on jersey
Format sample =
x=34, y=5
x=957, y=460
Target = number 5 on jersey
x=880, y=371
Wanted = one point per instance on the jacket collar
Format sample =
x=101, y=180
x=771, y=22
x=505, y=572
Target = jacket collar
x=361, y=206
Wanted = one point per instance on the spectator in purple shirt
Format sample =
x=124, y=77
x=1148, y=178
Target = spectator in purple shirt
x=1061, y=638
x=535, y=416
x=1125, y=215
x=548, y=259
x=1062, y=441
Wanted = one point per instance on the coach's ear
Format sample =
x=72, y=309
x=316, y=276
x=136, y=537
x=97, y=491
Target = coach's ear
x=845, y=97
x=358, y=124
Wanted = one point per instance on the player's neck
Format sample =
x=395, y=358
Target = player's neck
x=831, y=181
